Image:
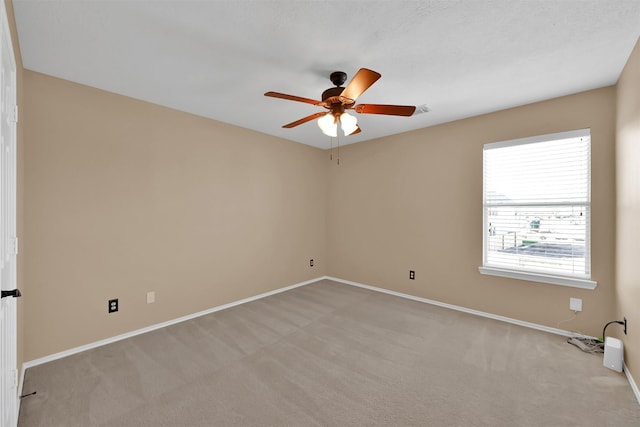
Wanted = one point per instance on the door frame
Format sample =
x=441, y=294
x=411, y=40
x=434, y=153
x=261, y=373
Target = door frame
x=8, y=230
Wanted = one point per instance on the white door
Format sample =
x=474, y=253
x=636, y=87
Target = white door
x=8, y=240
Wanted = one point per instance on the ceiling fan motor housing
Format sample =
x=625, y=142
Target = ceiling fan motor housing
x=331, y=97
x=333, y=92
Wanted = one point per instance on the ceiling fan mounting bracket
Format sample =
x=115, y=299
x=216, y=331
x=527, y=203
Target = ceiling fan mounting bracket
x=338, y=78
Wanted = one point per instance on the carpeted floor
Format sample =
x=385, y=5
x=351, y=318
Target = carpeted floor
x=329, y=354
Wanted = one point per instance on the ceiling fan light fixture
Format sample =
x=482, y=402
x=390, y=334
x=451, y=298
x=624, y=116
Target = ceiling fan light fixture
x=328, y=125
x=348, y=123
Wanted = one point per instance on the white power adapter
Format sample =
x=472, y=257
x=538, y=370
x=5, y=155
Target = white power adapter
x=613, y=350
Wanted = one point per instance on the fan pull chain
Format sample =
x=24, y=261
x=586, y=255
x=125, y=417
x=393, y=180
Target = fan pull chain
x=331, y=150
x=338, y=138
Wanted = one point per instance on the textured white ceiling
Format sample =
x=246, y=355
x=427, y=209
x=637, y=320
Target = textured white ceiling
x=217, y=58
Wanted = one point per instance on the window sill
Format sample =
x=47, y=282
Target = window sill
x=540, y=277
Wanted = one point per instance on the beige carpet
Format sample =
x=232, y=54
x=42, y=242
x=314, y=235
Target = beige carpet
x=329, y=354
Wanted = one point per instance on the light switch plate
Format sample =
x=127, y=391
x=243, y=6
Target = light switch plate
x=151, y=297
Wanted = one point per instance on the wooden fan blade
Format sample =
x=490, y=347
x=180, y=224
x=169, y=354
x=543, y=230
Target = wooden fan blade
x=363, y=79
x=292, y=97
x=304, y=120
x=390, y=110
x=358, y=130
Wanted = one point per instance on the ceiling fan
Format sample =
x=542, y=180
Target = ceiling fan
x=339, y=99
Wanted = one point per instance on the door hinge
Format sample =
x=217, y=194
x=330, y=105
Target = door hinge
x=14, y=246
x=14, y=377
x=14, y=117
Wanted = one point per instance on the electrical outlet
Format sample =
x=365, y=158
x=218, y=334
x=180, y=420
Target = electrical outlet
x=151, y=297
x=412, y=275
x=625, y=326
x=113, y=305
x=575, y=304
x=311, y=262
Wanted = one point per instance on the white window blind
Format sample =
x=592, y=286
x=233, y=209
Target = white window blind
x=537, y=205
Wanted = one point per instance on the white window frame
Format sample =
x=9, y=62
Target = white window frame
x=568, y=280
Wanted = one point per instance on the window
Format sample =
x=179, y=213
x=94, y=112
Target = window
x=537, y=200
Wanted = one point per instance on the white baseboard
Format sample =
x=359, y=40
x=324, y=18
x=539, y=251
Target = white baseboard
x=126, y=335
x=632, y=383
x=463, y=309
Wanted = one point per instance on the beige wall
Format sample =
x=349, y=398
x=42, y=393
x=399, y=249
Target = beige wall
x=628, y=208
x=123, y=197
x=414, y=201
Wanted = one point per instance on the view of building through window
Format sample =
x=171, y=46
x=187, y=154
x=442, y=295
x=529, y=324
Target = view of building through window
x=537, y=204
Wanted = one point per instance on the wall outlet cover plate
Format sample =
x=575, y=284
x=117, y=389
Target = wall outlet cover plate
x=575, y=304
